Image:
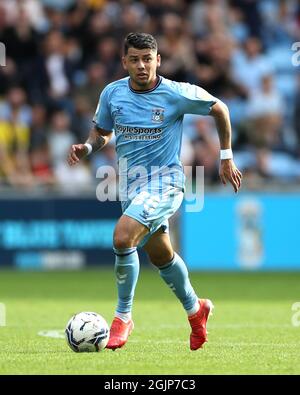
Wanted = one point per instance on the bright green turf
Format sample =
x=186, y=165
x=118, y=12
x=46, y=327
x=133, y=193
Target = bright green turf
x=250, y=331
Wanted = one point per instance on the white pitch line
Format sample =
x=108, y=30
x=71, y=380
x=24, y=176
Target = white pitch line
x=55, y=333
x=59, y=334
x=237, y=326
x=229, y=326
x=244, y=344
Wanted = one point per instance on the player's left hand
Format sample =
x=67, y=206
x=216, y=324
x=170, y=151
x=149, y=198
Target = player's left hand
x=229, y=172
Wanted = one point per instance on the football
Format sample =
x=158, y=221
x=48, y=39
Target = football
x=87, y=332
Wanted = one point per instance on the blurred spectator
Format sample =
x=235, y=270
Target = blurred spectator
x=237, y=26
x=250, y=65
x=58, y=5
x=22, y=40
x=206, y=148
x=205, y=16
x=54, y=72
x=60, y=140
x=265, y=115
x=95, y=81
x=176, y=49
x=158, y=9
x=278, y=165
x=133, y=17
x=8, y=76
x=99, y=26
x=252, y=16
x=213, y=71
x=36, y=14
x=280, y=22
x=39, y=149
x=108, y=53
x=15, y=107
x=82, y=119
x=15, y=118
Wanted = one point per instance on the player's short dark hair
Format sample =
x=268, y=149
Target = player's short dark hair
x=139, y=41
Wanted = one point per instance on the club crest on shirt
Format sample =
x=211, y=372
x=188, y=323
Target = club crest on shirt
x=158, y=115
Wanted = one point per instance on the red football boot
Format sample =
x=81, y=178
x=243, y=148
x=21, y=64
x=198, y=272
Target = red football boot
x=119, y=333
x=198, y=324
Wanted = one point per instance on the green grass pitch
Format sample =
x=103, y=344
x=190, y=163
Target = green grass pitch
x=251, y=331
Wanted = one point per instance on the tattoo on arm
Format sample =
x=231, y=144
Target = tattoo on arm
x=98, y=138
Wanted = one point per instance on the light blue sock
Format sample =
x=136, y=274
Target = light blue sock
x=127, y=271
x=176, y=276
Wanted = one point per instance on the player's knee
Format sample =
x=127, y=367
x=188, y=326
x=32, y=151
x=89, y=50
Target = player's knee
x=162, y=258
x=122, y=241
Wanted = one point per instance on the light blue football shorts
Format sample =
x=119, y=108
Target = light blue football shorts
x=154, y=209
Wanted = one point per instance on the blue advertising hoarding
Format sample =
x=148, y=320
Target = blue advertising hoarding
x=243, y=232
x=232, y=232
x=56, y=233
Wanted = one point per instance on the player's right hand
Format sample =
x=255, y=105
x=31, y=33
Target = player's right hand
x=77, y=152
x=229, y=172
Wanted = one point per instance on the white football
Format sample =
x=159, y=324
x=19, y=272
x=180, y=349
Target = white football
x=87, y=332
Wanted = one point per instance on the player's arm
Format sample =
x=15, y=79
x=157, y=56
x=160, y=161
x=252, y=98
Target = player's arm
x=227, y=171
x=97, y=139
x=195, y=100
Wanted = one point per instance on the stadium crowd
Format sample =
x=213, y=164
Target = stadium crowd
x=60, y=55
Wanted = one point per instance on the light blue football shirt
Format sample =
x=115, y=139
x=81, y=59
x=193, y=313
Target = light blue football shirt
x=148, y=126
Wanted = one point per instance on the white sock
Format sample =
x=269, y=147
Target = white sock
x=194, y=309
x=123, y=316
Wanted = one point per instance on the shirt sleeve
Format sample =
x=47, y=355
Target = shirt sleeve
x=194, y=100
x=102, y=117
